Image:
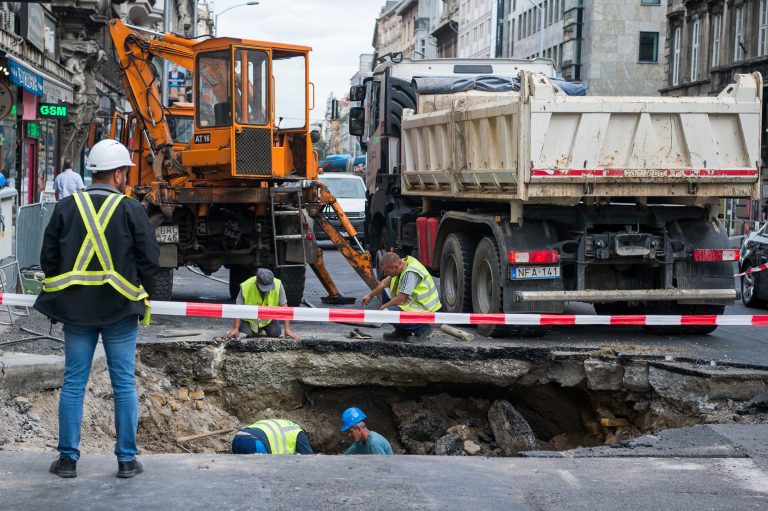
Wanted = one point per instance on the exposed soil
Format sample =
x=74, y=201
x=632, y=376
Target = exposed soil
x=423, y=401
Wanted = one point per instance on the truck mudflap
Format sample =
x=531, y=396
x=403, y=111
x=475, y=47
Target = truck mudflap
x=625, y=295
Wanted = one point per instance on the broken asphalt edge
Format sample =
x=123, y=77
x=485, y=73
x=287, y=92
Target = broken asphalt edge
x=21, y=373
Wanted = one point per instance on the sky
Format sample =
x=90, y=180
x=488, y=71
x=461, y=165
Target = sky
x=337, y=30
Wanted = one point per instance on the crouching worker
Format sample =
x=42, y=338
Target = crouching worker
x=263, y=289
x=365, y=440
x=271, y=436
x=408, y=287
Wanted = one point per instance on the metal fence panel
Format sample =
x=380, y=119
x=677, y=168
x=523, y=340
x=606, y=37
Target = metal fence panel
x=30, y=226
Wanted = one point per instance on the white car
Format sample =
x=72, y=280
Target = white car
x=349, y=190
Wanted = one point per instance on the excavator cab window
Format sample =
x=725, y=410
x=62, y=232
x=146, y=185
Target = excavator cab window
x=290, y=72
x=214, y=93
x=251, y=100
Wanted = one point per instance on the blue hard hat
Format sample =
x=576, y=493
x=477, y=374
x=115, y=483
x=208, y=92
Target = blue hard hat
x=260, y=449
x=350, y=417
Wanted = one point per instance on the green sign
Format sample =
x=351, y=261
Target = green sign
x=52, y=110
x=33, y=130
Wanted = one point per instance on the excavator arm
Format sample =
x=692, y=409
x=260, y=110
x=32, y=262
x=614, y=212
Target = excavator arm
x=134, y=53
x=357, y=257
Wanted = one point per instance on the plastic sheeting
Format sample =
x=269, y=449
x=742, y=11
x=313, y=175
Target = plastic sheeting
x=487, y=83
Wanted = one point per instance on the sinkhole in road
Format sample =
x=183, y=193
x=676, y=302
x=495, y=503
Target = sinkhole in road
x=444, y=400
x=454, y=399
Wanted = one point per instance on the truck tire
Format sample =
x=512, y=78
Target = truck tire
x=674, y=308
x=163, y=290
x=749, y=289
x=238, y=274
x=293, y=283
x=456, y=273
x=487, y=292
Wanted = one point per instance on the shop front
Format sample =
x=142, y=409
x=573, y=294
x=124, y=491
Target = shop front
x=43, y=105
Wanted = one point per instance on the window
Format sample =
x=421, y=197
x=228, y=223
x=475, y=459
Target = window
x=738, y=32
x=650, y=2
x=290, y=75
x=251, y=83
x=649, y=47
x=214, y=105
x=181, y=127
x=717, y=23
x=762, y=48
x=676, y=58
x=695, y=50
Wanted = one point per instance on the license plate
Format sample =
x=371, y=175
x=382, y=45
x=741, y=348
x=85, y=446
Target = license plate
x=534, y=272
x=167, y=234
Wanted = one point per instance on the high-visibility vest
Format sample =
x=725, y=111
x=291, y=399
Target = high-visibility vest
x=282, y=434
x=252, y=296
x=425, y=297
x=95, y=243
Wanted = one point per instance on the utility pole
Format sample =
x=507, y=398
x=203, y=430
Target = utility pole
x=167, y=9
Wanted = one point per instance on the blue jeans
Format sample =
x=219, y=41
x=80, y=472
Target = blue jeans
x=404, y=328
x=119, y=342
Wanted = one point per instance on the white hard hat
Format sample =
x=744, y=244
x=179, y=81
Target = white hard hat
x=108, y=155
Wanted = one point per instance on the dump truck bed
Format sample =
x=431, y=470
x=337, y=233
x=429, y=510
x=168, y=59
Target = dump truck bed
x=540, y=146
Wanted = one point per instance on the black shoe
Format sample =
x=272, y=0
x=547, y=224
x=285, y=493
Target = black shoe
x=128, y=469
x=64, y=466
x=395, y=336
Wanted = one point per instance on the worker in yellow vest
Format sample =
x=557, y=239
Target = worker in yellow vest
x=263, y=289
x=409, y=287
x=271, y=436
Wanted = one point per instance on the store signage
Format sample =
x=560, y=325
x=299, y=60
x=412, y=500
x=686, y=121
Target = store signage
x=55, y=111
x=25, y=78
x=6, y=101
x=32, y=130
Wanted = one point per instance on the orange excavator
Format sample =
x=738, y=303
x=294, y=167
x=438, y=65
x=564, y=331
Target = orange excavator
x=230, y=180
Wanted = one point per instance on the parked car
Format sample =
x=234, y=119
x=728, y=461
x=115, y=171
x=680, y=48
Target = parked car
x=754, y=252
x=349, y=189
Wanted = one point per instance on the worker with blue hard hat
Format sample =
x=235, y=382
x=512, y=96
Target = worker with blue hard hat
x=365, y=440
x=271, y=436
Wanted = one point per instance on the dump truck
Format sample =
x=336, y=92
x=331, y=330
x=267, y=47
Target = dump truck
x=230, y=180
x=524, y=198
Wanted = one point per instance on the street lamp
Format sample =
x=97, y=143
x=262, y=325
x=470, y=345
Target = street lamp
x=541, y=27
x=216, y=18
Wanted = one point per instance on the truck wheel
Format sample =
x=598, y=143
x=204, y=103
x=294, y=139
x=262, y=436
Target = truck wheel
x=614, y=308
x=674, y=308
x=238, y=274
x=487, y=292
x=456, y=273
x=163, y=290
x=293, y=283
x=749, y=289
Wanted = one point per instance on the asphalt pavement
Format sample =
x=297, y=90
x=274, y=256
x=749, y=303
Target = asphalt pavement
x=728, y=344
x=702, y=468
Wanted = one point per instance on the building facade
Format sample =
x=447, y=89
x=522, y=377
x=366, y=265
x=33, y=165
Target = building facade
x=388, y=32
x=58, y=75
x=446, y=30
x=476, y=28
x=612, y=47
x=709, y=41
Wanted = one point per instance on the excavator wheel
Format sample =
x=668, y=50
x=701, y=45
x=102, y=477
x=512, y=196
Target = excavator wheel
x=163, y=290
x=292, y=278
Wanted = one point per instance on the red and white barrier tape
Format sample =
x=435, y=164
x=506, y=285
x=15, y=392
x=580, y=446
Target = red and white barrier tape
x=217, y=310
x=753, y=270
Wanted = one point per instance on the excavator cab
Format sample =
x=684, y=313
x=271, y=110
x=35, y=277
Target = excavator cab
x=252, y=105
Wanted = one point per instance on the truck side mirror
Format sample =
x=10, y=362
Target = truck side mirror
x=357, y=93
x=314, y=135
x=357, y=121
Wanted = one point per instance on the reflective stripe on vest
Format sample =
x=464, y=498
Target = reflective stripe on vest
x=95, y=243
x=282, y=434
x=252, y=296
x=425, y=296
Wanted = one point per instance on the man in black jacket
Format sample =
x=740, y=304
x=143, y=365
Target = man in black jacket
x=99, y=256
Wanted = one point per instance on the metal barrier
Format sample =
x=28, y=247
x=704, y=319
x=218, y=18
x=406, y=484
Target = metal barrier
x=30, y=227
